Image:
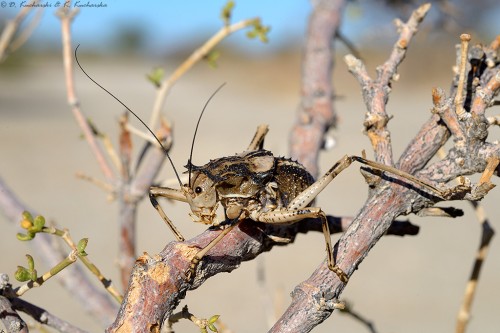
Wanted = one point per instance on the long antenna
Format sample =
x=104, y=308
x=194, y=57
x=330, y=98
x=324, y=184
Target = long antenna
x=190, y=165
x=133, y=113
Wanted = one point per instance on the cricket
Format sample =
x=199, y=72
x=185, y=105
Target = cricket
x=254, y=185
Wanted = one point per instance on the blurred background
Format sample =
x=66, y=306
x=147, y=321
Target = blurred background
x=409, y=284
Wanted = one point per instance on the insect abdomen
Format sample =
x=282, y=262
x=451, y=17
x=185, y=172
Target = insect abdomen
x=292, y=178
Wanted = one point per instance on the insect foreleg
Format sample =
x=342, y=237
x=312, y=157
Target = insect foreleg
x=197, y=258
x=168, y=193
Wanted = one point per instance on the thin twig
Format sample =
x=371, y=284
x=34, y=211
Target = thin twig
x=73, y=278
x=99, y=183
x=66, y=17
x=44, y=317
x=459, y=99
x=10, y=30
x=27, y=32
x=196, y=56
x=202, y=323
x=143, y=135
x=349, y=311
x=487, y=234
x=70, y=259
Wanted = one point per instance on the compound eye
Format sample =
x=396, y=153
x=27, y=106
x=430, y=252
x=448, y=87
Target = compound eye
x=198, y=190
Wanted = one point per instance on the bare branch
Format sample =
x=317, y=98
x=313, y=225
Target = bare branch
x=45, y=317
x=376, y=92
x=66, y=17
x=487, y=234
x=10, y=318
x=196, y=56
x=10, y=30
x=315, y=114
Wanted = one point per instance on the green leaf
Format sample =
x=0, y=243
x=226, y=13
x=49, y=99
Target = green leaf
x=156, y=76
x=227, y=12
x=22, y=274
x=82, y=244
x=259, y=31
x=212, y=58
x=213, y=319
x=25, y=237
x=212, y=327
x=39, y=223
x=33, y=274
x=31, y=262
x=27, y=216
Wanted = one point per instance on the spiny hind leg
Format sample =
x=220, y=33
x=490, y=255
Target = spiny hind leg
x=294, y=215
x=309, y=194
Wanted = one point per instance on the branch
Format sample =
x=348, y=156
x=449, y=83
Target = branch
x=10, y=318
x=376, y=92
x=67, y=17
x=313, y=299
x=487, y=234
x=10, y=30
x=196, y=56
x=45, y=317
x=315, y=114
x=157, y=283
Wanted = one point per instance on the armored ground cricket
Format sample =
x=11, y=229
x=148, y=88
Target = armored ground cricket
x=254, y=185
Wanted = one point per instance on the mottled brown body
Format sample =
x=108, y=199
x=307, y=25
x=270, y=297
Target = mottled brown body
x=255, y=178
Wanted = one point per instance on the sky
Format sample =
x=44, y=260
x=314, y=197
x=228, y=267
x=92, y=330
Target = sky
x=168, y=25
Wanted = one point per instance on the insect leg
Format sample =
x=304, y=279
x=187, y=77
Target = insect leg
x=197, y=258
x=294, y=215
x=169, y=193
x=309, y=194
x=397, y=172
x=258, y=138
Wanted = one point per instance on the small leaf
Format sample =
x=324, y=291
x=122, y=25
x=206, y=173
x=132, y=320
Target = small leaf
x=227, y=12
x=33, y=275
x=212, y=58
x=22, y=274
x=251, y=34
x=39, y=222
x=93, y=128
x=259, y=31
x=25, y=237
x=31, y=262
x=82, y=244
x=156, y=76
x=27, y=216
x=212, y=327
x=213, y=319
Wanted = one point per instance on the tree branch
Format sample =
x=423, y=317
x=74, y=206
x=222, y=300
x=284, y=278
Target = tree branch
x=316, y=114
